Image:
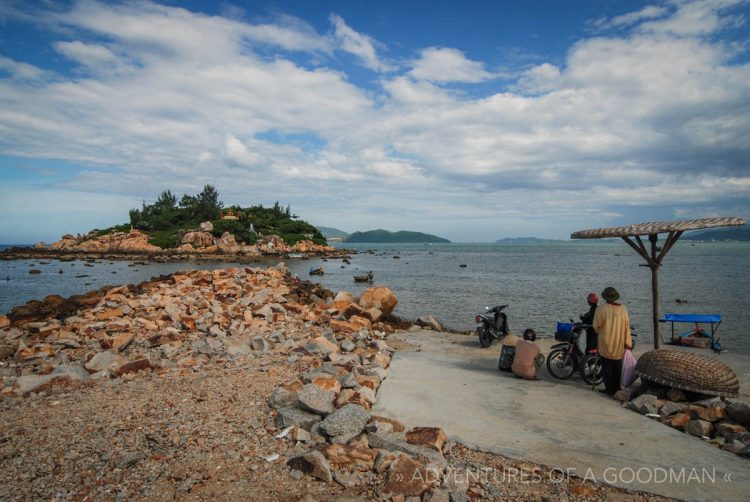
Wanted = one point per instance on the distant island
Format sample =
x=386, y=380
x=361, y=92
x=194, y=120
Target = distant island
x=730, y=234
x=385, y=236
x=335, y=233
x=524, y=240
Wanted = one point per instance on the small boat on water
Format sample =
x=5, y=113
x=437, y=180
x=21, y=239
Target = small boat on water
x=317, y=271
x=364, y=278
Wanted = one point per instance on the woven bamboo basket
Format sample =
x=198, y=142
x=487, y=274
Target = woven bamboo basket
x=688, y=371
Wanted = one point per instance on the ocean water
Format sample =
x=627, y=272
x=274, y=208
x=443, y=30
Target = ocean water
x=541, y=283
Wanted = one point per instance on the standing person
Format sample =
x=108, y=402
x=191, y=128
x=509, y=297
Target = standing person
x=588, y=318
x=612, y=325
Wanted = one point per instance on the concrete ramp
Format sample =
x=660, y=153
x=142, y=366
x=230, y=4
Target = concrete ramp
x=448, y=381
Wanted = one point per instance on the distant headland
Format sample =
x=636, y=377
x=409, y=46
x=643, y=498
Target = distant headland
x=385, y=236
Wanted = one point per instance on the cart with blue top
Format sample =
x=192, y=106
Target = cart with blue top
x=698, y=336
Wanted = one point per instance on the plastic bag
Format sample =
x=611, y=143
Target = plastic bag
x=628, y=369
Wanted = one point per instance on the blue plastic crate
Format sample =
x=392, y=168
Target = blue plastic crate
x=564, y=331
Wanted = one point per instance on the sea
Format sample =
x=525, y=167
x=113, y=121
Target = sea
x=541, y=283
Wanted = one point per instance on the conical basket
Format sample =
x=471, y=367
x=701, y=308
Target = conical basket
x=688, y=371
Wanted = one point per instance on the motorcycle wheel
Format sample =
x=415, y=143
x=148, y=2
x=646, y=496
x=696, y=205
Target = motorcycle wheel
x=560, y=364
x=485, y=337
x=591, y=369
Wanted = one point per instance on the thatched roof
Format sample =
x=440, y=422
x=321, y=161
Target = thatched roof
x=656, y=227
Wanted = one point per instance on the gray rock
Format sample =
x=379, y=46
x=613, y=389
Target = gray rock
x=281, y=398
x=711, y=402
x=317, y=400
x=66, y=374
x=429, y=322
x=347, y=419
x=235, y=349
x=103, y=361
x=348, y=381
x=347, y=346
x=294, y=416
x=644, y=404
x=260, y=344
x=217, y=332
x=459, y=497
x=314, y=463
x=670, y=408
x=396, y=442
x=739, y=411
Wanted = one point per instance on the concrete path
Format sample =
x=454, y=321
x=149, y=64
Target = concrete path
x=448, y=381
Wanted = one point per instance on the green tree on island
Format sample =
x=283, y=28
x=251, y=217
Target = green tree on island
x=167, y=219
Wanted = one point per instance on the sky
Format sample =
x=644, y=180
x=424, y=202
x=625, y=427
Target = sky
x=472, y=120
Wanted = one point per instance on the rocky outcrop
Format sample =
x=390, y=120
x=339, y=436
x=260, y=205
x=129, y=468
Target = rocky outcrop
x=228, y=244
x=133, y=241
x=198, y=239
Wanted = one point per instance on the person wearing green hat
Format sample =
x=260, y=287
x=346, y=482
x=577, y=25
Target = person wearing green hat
x=612, y=326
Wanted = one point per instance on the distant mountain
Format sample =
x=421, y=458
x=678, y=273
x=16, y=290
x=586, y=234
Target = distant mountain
x=728, y=234
x=524, y=240
x=384, y=236
x=329, y=232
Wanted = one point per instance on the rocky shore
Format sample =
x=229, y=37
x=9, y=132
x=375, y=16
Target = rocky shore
x=238, y=383
x=197, y=245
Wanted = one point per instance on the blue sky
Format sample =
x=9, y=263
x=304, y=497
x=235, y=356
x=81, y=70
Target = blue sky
x=473, y=120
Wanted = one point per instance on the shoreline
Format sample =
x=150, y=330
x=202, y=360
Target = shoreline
x=165, y=256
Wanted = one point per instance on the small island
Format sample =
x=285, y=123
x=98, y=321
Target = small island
x=385, y=236
x=198, y=226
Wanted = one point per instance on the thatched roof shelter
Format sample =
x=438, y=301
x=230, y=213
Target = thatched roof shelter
x=631, y=234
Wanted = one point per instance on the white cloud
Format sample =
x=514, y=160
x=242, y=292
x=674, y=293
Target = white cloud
x=641, y=118
x=631, y=18
x=441, y=64
x=357, y=44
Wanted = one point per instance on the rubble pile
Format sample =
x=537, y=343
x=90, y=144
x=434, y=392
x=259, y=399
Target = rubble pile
x=723, y=422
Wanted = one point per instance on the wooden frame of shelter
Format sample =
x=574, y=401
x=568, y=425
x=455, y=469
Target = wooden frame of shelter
x=631, y=234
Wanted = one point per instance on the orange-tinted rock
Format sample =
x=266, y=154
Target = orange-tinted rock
x=343, y=326
x=379, y=297
x=432, y=437
x=4, y=321
x=408, y=477
x=122, y=341
x=711, y=414
x=360, y=322
x=108, y=314
x=327, y=383
x=361, y=459
x=679, y=420
x=188, y=323
x=370, y=381
x=397, y=426
x=134, y=366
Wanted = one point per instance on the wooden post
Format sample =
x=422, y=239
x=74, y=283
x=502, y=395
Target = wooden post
x=654, y=266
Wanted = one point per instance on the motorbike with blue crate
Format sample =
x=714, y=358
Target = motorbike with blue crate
x=572, y=353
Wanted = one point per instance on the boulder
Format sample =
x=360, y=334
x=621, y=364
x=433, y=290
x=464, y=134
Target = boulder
x=408, y=477
x=739, y=411
x=431, y=437
x=361, y=459
x=313, y=463
x=378, y=297
x=198, y=239
x=700, y=428
x=644, y=404
x=206, y=226
x=350, y=418
x=282, y=397
x=429, y=322
x=321, y=345
x=65, y=375
x=103, y=361
x=395, y=442
x=316, y=399
x=291, y=416
x=227, y=243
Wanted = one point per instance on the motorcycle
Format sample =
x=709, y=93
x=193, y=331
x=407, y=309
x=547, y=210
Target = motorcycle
x=493, y=325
